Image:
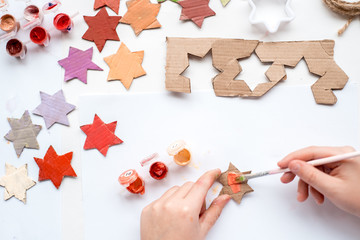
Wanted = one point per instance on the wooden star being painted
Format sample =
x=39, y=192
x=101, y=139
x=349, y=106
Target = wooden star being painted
x=112, y=4
x=16, y=182
x=102, y=27
x=100, y=135
x=141, y=15
x=195, y=10
x=125, y=65
x=54, y=167
x=244, y=187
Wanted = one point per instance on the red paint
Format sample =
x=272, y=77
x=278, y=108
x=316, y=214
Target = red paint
x=235, y=187
x=158, y=170
x=133, y=183
x=62, y=22
x=15, y=48
x=39, y=35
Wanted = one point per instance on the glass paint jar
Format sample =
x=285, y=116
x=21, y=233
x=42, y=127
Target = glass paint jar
x=180, y=152
x=40, y=36
x=132, y=181
x=63, y=22
x=158, y=170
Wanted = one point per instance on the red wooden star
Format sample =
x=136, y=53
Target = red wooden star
x=102, y=27
x=100, y=135
x=55, y=167
x=113, y=4
x=195, y=10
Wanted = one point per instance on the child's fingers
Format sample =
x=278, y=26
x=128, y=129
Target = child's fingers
x=303, y=191
x=319, y=198
x=287, y=177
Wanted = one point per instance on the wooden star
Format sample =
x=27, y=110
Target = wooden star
x=113, y=4
x=16, y=182
x=244, y=187
x=100, y=135
x=102, y=27
x=23, y=133
x=195, y=10
x=55, y=167
x=141, y=15
x=125, y=65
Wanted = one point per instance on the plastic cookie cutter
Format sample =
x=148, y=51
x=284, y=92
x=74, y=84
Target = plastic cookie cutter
x=180, y=152
x=271, y=27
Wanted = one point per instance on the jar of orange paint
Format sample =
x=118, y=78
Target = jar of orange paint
x=180, y=152
x=132, y=181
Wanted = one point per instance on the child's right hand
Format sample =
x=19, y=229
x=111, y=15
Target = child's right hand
x=339, y=182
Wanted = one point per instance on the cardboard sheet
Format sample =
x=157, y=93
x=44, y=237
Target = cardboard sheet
x=16, y=182
x=23, y=133
x=54, y=167
x=125, y=65
x=100, y=135
x=319, y=57
x=102, y=27
x=77, y=63
x=195, y=10
x=223, y=179
x=54, y=109
x=112, y=4
x=141, y=15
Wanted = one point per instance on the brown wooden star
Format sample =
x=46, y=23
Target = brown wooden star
x=112, y=4
x=244, y=187
x=195, y=10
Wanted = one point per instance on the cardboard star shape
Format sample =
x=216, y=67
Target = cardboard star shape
x=100, y=135
x=55, y=167
x=195, y=10
x=141, y=15
x=244, y=187
x=125, y=65
x=23, y=133
x=16, y=182
x=102, y=27
x=54, y=109
x=77, y=63
x=113, y=4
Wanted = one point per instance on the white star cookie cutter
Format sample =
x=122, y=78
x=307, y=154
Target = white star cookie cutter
x=272, y=28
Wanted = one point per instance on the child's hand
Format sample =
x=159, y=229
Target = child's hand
x=181, y=214
x=339, y=182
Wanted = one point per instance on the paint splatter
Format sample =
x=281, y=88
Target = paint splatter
x=235, y=187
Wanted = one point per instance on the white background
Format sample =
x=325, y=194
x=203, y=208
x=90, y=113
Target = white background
x=62, y=213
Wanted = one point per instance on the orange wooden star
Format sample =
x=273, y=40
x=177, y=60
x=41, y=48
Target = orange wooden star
x=195, y=10
x=102, y=27
x=55, y=167
x=141, y=15
x=125, y=65
x=113, y=4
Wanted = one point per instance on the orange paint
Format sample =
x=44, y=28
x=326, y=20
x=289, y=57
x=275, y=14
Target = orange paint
x=235, y=187
x=183, y=157
x=132, y=181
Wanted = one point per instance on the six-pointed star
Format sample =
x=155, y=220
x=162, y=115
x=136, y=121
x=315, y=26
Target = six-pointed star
x=102, y=27
x=16, y=182
x=195, y=10
x=113, y=4
x=55, y=167
x=23, y=133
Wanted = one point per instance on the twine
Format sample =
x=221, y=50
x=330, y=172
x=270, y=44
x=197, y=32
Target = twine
x=347, y=9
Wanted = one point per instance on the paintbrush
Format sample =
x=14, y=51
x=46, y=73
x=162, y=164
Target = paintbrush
x=240, y=178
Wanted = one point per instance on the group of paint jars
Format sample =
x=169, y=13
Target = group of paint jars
x=32, y=19
x=158, y=170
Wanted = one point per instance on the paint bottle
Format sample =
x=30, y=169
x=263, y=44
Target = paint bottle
x=63, y=22
x=132, y=181
x=9, y=24
x=180, y=153
x=16, y=48
x=158, y=170
x=33, y=16
x=51, y=6
x=40, y=36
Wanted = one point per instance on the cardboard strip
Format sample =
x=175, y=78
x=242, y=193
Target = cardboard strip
x=226, y=53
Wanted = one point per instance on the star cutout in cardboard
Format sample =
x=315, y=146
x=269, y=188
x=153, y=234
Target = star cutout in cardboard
x=244, y=187
x=54, y=167
x=54, y=109
x=16, y=182
x=141, y=15
x=195, y=10
x=113, y=4
x=100, y=135
x=125, y=65
x=102, y=27
x=77, y=63
x=23, y=133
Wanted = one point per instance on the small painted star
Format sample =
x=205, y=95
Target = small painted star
x=55, y=167
x=77, y=63
x=100, y=135
x=195, y=10
x=125, y=65
x=23, y=133
x=54, y=109
x=113, y=4
x=102, y=27
x=16, y=182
